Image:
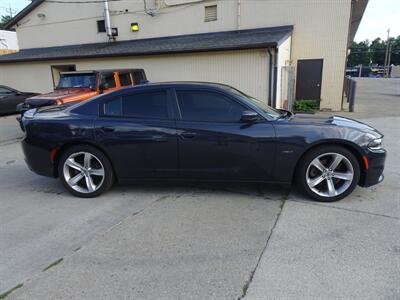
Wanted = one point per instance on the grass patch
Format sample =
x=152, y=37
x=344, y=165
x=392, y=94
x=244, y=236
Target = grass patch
x=306, y=105
x=5, y=294
x=53, y=264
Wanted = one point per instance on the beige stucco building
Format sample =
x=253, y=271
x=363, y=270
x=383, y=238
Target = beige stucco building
x=244, y=43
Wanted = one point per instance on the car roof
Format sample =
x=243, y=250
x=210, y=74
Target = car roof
x=187, y=84
x=174, y=84
x=100, y=71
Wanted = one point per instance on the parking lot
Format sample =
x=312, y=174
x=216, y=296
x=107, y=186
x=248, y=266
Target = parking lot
x=203, y=241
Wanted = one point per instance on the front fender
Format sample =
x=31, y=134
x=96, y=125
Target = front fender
x=293, y=141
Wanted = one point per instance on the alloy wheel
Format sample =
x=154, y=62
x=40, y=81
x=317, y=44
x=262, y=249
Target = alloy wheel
x=329, y=174
x=83, y=172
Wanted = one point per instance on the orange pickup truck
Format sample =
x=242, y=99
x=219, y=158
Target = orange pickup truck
x=82, y=85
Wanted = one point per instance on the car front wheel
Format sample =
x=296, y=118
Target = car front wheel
x=85, y=171
x=328, y=173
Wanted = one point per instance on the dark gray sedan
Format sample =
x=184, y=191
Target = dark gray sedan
x=10, y=98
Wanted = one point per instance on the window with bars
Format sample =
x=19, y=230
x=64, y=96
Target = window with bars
x=210, y=13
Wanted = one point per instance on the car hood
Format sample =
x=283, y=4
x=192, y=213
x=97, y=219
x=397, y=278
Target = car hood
x=334, y=120
x=61, y=94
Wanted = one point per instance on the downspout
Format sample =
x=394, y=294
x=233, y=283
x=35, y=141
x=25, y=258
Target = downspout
x=107, y=20
x=347, y=52
x=269, y=78
x=150, y=13
x=239, y=17
x=275, y=78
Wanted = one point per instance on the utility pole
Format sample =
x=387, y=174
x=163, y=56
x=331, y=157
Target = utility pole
x=10, y=11
x=387, y=53
x=389, y=57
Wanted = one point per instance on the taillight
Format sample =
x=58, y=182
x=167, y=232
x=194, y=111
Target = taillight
x=59, y=102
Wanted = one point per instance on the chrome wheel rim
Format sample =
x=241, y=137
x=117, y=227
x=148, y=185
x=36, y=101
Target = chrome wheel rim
x=83, y=172
x=329, y=174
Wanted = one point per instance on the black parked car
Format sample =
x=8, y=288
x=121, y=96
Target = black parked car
x=10, y=98
x=202, y=132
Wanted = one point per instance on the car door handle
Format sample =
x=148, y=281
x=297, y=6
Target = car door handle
x=188, y=135
x=108, y=129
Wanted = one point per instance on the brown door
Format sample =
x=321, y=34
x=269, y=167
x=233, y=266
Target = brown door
x=309, y=78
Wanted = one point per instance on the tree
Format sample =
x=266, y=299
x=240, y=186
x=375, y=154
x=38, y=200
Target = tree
x=359, y=54
x=3, y=21
x=373, y=53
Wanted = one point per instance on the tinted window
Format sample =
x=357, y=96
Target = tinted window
x=137, y=77
x=113, y=107
x=5, y=91
x=109, y=80
x=208, y=106
x=146, y=105
x=125, y=79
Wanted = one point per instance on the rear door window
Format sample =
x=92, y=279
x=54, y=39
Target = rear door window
x=149, y=105
x=113, y=107
x=208, y=107
x=146, y=105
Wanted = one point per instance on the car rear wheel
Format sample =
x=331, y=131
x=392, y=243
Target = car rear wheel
x=328, y=173
x=85, y=171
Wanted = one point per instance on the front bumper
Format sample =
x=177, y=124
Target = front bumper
x=376, y=164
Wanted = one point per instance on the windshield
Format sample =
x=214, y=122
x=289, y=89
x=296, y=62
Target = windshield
x=77, y=81
x=273, y=113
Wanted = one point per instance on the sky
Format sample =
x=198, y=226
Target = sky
x=378, y=17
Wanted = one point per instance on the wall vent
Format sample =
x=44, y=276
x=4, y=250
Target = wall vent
x=210, y=13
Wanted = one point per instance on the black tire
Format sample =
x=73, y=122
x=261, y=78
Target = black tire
x=303, y=167
x=104, y=184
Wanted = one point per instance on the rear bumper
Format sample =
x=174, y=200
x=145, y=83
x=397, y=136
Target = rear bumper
x=376, y=164
x=38, y=159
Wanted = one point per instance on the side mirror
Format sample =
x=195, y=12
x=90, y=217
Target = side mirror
x=249, y=116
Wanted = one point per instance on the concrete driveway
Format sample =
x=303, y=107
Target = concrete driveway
x=201, y=242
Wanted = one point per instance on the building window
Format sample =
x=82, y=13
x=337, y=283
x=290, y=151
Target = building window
x=210, y=13
x=101, y=26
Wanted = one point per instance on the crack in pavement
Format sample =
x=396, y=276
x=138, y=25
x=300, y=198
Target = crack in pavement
x=248, y=282
x=10, y=141
x=346, y=209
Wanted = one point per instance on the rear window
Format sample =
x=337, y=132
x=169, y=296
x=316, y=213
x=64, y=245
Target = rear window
x=153, y=105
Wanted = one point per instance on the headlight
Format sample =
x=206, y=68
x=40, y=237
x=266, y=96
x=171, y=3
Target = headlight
x=375, y=144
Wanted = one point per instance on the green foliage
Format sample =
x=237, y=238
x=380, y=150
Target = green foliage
x=370, y=53
x=3, y=21
x=306, y=105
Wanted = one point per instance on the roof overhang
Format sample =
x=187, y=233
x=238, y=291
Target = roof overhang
x=215, y=41
x=357, y=11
